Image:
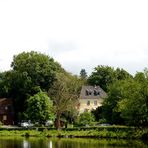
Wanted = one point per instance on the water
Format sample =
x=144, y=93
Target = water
x=69, y=143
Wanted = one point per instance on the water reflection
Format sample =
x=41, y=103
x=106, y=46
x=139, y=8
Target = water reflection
x=50, y=144
x=69, y=143
x=26, y=144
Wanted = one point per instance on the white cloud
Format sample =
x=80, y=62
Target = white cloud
x=77, y=33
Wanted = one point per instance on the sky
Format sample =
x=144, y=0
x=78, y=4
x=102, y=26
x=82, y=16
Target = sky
x=76, y=33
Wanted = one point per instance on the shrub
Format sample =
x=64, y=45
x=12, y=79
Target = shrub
x=86, y=119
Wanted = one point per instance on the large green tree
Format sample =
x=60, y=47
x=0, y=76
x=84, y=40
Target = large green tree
x=38, y=67
x=31, y=72
x=127, y=101
x=40, y=108
x=134, y=106
x=102, y=76
x=109, y=108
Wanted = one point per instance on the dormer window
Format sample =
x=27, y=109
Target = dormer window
x=87, y=92
x=96, y=93
x=90, y=92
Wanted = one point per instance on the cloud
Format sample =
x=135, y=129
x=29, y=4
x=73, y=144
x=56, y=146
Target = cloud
x=78, y=34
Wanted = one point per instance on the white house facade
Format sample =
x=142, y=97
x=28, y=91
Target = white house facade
x=90, y=98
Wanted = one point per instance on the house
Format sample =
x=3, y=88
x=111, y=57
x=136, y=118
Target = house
x=90, y=98
x=6, y=111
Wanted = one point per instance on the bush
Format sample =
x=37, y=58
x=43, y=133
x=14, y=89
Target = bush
x=86, y=119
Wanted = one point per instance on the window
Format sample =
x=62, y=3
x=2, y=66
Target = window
x=95, y=102
x=88, y=103
x=88, y=92
x=4, y=117
x=96, y=93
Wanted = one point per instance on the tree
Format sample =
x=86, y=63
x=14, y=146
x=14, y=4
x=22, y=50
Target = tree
x=5, y=79
x=70, y=115
x=102, y=76
x=64, y=93
x=39, y=108
x=140, y=77
x=106, y=75
x=134, y=108
x=109, y=111
x=97, y=113
x=39, y=68
x=31, y=73
x=127, y=102
x=122, y=74
x=133, y=105
x=83, y=74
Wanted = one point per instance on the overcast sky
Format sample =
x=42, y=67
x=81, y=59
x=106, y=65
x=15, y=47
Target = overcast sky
x=77, y=33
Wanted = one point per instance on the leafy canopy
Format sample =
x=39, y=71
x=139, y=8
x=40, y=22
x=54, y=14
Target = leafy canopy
x=31, y=72
x=64, y=93
x=39, y=68
x=40, y=108
x=86, y=118
x=106, y=75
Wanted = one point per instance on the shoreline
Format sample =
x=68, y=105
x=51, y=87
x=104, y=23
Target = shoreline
x=83, y=132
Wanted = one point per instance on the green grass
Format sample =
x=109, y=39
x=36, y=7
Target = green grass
x=97, y=132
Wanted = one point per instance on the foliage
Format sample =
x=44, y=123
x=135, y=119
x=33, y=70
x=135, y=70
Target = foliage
x=106, y=75
x=83, y=74
x=121, y=74
x=127, y=102
x=70, y=115
x=102, y=76
x=134, y=105
x=31, y=72
x=97, y=113
x=109, y=111
x=39, y=68
x=120, y=132
x=40, y=108
x=64, y=93
x=86, y=118
x=5, y=79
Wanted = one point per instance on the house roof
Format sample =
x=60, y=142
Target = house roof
x=5, y=101
x=92, y=92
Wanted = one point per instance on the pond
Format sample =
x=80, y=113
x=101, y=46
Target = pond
x=69, y=143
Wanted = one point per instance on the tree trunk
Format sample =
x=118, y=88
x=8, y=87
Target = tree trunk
x=58, y=122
